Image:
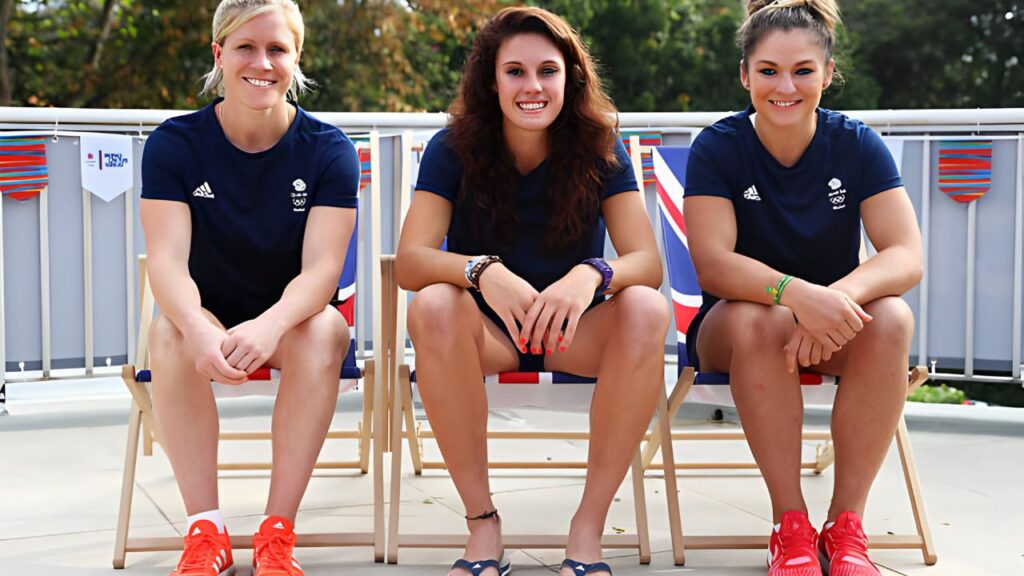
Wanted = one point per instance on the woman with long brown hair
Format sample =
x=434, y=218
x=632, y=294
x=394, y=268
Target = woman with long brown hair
x=523, y=183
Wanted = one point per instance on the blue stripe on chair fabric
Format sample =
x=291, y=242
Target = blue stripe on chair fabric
x=347, y=372
x=534, y=378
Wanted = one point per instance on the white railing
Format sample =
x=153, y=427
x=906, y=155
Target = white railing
x=918, y=128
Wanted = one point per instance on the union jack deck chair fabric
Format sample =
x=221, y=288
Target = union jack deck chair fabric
x=713, y=388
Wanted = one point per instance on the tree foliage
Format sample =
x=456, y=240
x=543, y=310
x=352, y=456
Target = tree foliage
x=405, y=55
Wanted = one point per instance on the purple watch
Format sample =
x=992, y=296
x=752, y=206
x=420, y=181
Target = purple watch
x=606, y=273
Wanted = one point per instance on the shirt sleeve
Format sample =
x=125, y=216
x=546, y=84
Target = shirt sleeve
x=704, y=173
x=440, y=169
x=879, y=170
x=621, y=178
x=162, y=172
x=339, y=181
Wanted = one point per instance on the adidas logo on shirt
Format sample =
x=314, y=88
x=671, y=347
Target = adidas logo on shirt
x=751, y=194
x=203, y=191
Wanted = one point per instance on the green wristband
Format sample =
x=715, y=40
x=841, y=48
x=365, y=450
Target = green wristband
x=776, y=291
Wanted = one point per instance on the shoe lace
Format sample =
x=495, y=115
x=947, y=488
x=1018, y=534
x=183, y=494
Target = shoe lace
x=797, y=540
x=275, y=551
x=850, y=538
x=200, y=549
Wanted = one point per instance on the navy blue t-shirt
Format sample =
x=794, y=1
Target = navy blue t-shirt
x=248, y=210
x=441, y=174
x=802, y=220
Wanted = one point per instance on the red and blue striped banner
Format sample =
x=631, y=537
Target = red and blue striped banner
x=23, y=173
x=965, y=169
x=646, y=139
x=364, y=168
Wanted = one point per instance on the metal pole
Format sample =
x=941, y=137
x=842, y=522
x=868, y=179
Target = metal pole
x=87, y=276
x=922, y=306
x=972, y=242
x=44, y=276
x=1018, y=224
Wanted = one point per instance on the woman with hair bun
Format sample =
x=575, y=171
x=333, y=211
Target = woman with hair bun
x=774, y=203
x=522, y=183
x=248, y=206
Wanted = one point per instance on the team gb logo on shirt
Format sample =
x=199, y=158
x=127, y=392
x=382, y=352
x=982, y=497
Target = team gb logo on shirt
x=836, y=194
x=299, y=195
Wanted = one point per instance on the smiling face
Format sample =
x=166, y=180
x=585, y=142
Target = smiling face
x=258, y=59
x=530, y=81
x=786, y=74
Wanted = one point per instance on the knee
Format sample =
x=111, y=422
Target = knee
x=322, y=340
x=166, y=342
x=435, y=314
x=643, y=319
x=891, y=327
x=755, y=328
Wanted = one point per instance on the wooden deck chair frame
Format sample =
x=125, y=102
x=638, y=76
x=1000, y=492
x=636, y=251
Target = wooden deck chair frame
x=369, y=433
x=921, y=540
x=403, y=424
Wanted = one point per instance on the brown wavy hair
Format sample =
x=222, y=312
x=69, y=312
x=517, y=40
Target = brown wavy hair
x=580, y=140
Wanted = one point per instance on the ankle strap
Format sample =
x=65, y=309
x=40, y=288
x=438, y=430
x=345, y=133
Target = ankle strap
x=485, y=516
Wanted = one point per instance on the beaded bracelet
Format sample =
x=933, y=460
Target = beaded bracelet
x=776, y=291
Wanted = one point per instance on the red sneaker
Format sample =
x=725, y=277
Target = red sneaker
x=207, y=552
x=844, y=548
x=272, y=549
x=792, y=549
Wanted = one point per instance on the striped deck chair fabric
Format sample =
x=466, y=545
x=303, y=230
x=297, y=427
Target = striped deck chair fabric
x=710, y=387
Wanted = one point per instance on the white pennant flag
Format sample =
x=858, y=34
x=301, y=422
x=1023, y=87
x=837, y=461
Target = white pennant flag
x=107, y=164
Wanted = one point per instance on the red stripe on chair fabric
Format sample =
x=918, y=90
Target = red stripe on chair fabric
x=262, y=373
x=347, y=309
x=519, y=378
x=684, y=314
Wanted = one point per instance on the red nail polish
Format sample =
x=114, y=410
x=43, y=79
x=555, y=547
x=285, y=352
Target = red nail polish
x=562, y=348
x=550, y=351
x=524, y=349
x=560, y=338
x=522, y=340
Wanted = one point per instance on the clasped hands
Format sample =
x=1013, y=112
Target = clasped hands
x=541, y=315
x=230, y=356
x=827, y=319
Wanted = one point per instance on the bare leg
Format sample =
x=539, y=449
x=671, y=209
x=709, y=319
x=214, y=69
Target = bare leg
x=622, y=343
x=310, y=357
x=869, y=401
x=746, y=340
x=186, y=414
x=455, y=345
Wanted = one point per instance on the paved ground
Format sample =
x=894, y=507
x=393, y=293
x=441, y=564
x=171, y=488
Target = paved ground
x=61, y=462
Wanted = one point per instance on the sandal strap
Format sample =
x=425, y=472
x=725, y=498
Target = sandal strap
x=582, y=568
x=476, y=568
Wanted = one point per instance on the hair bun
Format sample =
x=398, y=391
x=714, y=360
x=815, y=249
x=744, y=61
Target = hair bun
x=755, y=5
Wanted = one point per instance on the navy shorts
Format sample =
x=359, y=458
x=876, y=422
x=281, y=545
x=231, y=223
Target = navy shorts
x=528, y=362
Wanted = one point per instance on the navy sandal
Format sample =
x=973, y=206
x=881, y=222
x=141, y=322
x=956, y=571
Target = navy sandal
x=504, y=567
x=581, y=569
x=476, y=568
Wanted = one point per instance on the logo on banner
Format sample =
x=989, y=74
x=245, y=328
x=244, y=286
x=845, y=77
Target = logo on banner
x=107, y=164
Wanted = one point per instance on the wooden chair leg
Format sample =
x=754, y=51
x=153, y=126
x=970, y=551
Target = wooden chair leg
x=825, y=456
x=396, y=467
x=640, y=503
x=914, y=491
x=411, y=432
x=127, y=487
x=376, y=423
x=366, y=424
x=663, y=424
x=675, y=400
x=147, y=440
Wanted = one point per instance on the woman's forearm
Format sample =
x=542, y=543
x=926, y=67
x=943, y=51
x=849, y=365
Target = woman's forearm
x=891, y=272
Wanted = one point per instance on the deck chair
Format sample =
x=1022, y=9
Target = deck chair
x=670, y=169
x=507, y=388
x=137, y=377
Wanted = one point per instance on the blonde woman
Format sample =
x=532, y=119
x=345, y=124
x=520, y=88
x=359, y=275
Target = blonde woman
x=775, y=199
x=248, y=206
